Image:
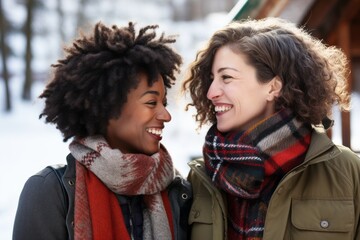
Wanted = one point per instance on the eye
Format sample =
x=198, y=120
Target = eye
x=165, y=103
x=152, y=103
x=226, y=77
x=211, y=77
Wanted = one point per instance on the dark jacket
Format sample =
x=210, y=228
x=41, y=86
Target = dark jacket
x=46, y=207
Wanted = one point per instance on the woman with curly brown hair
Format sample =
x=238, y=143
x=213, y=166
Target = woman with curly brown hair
x=269, y=170
x=109, y=96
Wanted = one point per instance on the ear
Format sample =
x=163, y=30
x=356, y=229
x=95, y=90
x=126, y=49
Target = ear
x=275, y=86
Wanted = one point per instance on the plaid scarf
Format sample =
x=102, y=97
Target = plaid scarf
x=101, y=172
x=249, y=165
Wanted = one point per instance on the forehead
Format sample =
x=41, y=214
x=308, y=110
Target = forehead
x=143, y=86
x=225, y=57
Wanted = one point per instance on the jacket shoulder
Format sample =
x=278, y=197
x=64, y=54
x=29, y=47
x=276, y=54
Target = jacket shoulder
x=349, y=154
x=323, y=149
x=51, y=171
x=41, y=201
x=46, y=179
x=347, y=162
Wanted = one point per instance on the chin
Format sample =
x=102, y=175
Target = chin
x=151, y=151
x=223, y=129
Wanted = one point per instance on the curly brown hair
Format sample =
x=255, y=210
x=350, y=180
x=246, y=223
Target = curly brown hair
x=91, y=84
x=313, y=75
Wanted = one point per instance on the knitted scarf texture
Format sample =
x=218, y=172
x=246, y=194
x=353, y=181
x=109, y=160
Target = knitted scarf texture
x=102, y=172
x=248, y=166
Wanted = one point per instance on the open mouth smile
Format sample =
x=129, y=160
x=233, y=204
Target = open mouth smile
x=222, y=108
x=155, y=131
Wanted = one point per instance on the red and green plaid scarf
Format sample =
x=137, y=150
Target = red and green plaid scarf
x=249, y=165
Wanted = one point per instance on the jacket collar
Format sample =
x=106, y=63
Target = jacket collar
x=321, y=147
x=70, y=170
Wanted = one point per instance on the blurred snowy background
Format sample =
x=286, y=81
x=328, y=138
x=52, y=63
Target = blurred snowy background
x=27, y=144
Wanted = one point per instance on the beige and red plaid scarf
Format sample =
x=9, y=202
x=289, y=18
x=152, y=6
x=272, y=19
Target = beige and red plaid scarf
x=249, y=165
x=102, y=171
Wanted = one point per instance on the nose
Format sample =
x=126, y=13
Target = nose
x=164, y=115
x=214, y=90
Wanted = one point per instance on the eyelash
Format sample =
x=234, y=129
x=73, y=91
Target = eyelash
x=225, y=77
x=153, y=103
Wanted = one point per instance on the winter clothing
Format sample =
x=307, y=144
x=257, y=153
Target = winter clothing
x=318, y=199
x=124, y=174
x=248, y=165
x=44, y=199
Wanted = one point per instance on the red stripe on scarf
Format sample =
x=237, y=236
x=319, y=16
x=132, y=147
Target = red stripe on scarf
x=106, y=215
x=283, y=157
x=167, y=206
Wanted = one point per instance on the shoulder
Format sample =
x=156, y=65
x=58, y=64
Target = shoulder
x=43, y=188
x=336, y=163
x=346, y=162
x=323, y=148
x=41, y=199
x=51, y=170
x=46, y=177
x=347, y=153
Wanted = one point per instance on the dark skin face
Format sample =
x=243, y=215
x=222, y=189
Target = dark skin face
x=139, y=127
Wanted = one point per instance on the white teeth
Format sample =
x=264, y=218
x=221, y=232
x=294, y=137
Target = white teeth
x=222, y=108
x=155, y=131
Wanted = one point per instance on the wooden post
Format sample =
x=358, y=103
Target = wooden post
x=344, y=39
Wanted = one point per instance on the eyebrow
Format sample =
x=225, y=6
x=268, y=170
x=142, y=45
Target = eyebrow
x=151, y=92
x=227, y=68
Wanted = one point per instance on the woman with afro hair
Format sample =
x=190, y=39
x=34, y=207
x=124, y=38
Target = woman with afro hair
x=269, y=170
x=108, y=95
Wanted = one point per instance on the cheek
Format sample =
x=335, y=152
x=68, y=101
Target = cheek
x=248, y=103
x=238, y=96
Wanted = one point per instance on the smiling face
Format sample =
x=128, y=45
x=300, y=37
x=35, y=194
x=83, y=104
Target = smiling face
x=240, y=100
x=139, y=127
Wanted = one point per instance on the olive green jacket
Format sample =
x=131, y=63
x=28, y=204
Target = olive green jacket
x=319, y=199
